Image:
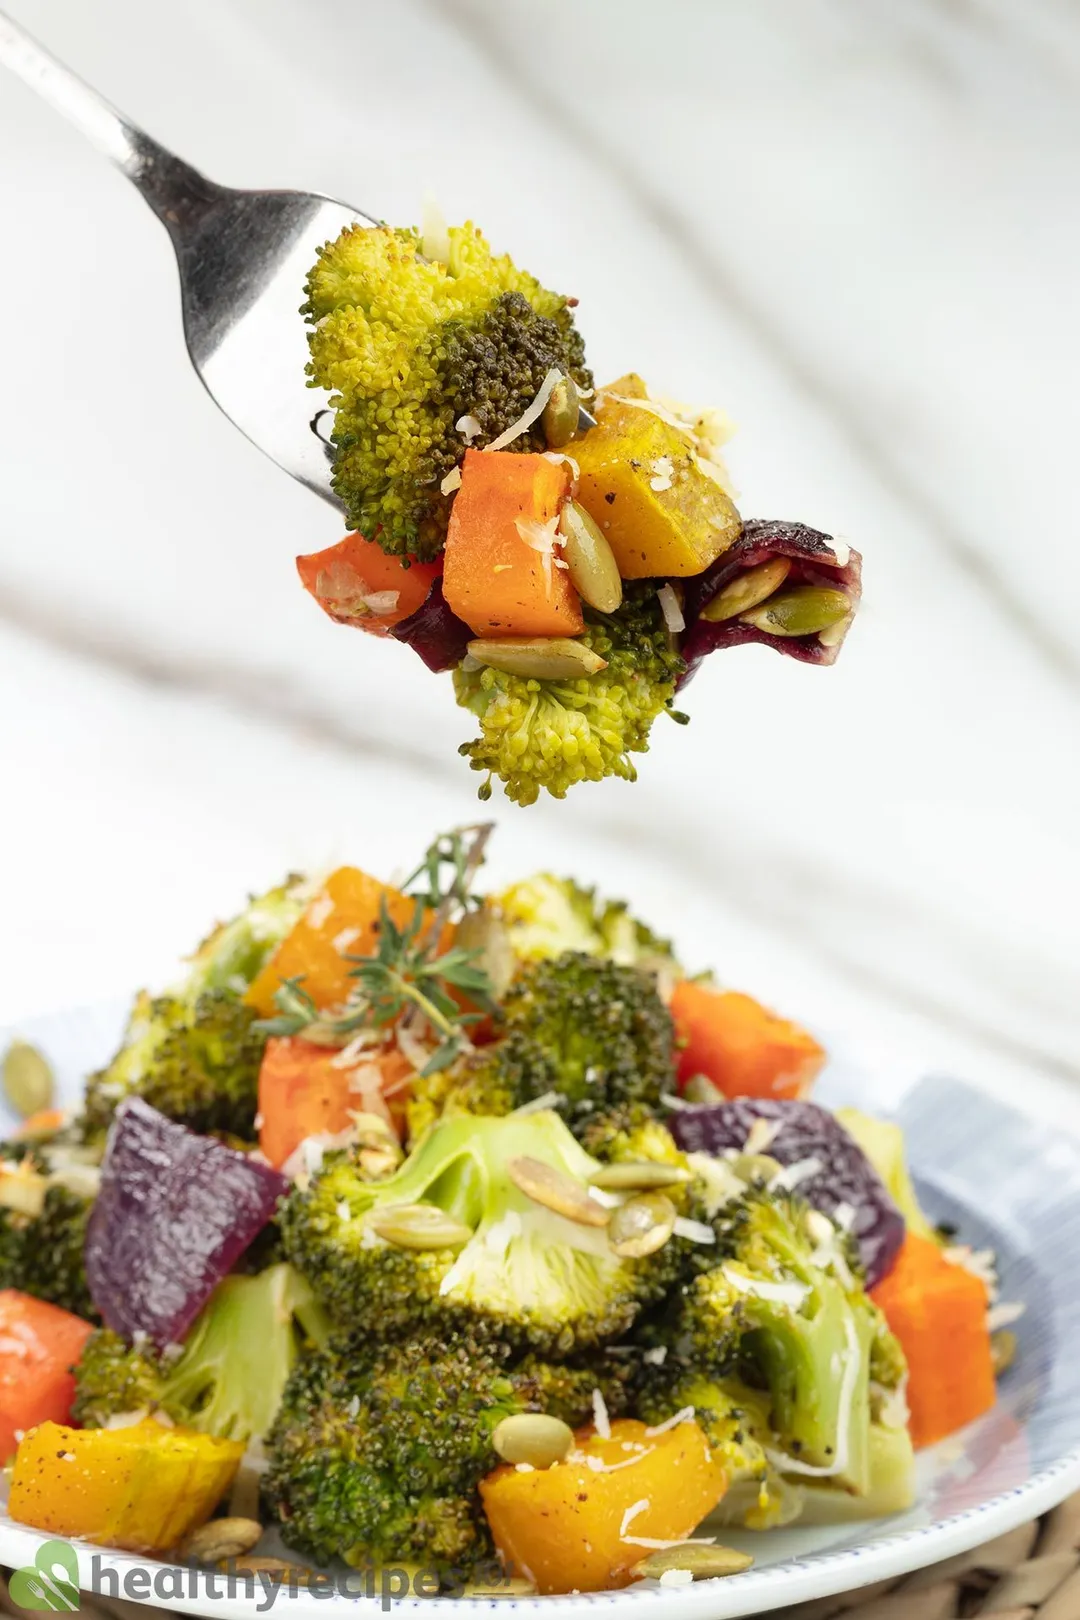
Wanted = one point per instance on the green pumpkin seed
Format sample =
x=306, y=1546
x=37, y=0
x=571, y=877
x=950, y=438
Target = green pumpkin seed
x=510, y=1586
x=805, y=610
x=594, y=573
x=419, y=1226
x=23, y=1190
x=746, y=590
x=28, y=1079
x=646, y=1176
x=757, y=1168
x=1002, y=1350
x=703, y=1561
x=220, y=1539
x=561, y=413
x=378, y=1163
x=484, y=932
x=534, y=1438
x=555, y=1191
x=540, y=658
x=700, y=1089
x=642, y=1225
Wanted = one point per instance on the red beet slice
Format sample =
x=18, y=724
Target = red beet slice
x=835, y=1170
x=174, y=1214
x=816, y=559
x=434, y=632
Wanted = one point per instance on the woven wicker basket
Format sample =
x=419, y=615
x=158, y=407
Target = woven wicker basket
x=1032, y=1573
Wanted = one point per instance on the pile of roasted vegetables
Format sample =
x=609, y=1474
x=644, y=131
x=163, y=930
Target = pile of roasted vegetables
x=570, y=553
x=467, y=1233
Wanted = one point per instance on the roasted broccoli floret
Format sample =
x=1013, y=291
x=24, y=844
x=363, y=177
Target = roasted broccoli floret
x=379, y=1447
x=42, y=1253
x=232, y=955
x=196, y=1062
x=508, y=1267
x=735, y=1419
x=591, y=1034
x=228, y=1378
x=410, y=337
x=784, y=1312
x=547, y=915
x=194, y=1052
x=553, y=734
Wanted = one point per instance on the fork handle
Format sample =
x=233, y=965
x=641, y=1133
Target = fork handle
x=175, y=191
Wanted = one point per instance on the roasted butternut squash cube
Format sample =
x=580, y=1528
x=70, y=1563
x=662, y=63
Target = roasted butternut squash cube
x=643, y=482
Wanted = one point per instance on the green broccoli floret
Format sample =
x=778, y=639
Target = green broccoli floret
x=590, y=1033
x=512, y=1269
x=194, y=1052
x=547, y=915
x=788, y=1318
x=229, y=1377
x=197, y=1063
x=735, y=1420
x=407, y=346
x=553, y=734
x=234, y=953
x=379, y=1448
x=42, y=1254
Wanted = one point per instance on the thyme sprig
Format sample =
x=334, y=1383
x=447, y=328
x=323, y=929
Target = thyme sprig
x=408, y=982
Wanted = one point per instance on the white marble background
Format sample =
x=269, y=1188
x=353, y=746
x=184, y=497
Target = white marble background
x=853, y=223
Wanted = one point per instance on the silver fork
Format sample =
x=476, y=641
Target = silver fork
x=242, y=255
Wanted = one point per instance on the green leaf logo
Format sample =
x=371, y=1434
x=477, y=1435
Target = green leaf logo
x=50, y=1582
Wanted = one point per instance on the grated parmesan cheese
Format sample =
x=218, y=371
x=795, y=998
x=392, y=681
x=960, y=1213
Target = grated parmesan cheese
x=669, y=606
x=468, y=427
x=600, y=1415
x=684, y=1415
x=452, y=481
x=693, y=1231
x=529, y=415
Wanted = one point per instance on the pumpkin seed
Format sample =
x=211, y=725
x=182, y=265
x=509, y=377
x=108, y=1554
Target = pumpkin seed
x=756, y=1167
x=703, y=1561
x=533, y=1437
x=286, y=1573
x=1002, y=1350
x=23, y=1190
x=594, y=573
x=28, y=1079
x=805, y=610
x=555, y=1191
x=628, y=1176
x=700, y=1089
x=378, y=1163
x=508, y=1587
x=541, y=658
x=642, y=1225
x=220, y=1539
x=419, y=1226
x=746, y=590
x=561, y=413
x=484, y=932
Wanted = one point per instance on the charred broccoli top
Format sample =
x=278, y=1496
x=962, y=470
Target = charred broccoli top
x=197, y=1063
x=408, y=345
x=552, y=734
x=42, y=1254
x=379, y=1448
x=592, y=1034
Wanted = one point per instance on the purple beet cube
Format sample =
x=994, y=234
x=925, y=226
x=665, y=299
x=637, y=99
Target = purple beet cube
x=827, y=1167
x=174, y=1214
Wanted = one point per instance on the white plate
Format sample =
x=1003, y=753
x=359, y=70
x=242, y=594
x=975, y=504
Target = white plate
x=1005, y=1179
